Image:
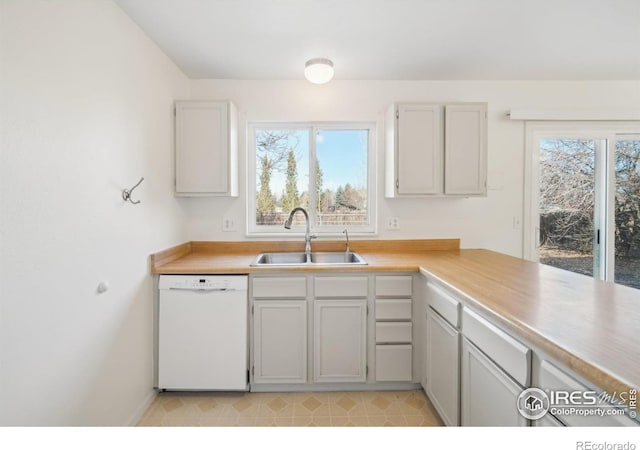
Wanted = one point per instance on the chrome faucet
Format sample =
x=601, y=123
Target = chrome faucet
x=347, y=251
x=307, y=234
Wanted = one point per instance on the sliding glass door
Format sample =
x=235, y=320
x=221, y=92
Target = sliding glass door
x=627, y=211
x=584, y=204
x=570, y=228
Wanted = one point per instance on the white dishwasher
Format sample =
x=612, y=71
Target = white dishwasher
x=202, y=332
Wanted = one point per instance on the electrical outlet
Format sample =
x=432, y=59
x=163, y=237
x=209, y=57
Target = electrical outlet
x=393, y=223
x=228, y=224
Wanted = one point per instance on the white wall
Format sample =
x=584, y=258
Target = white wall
x=86, y=109
x=481, y=222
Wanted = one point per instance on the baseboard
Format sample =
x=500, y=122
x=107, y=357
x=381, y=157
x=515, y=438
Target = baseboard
x=346, y=387
x=140, y=410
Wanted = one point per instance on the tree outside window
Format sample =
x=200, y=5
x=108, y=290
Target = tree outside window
x=322, y=169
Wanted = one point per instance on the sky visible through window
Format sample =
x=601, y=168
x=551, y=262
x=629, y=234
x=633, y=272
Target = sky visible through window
x=342, y=155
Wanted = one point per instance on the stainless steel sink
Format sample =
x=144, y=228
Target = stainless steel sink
x=280, y=259
x=336, y=258
x=315, y=259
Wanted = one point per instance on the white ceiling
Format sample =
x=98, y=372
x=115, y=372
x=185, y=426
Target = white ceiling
x=398, y=39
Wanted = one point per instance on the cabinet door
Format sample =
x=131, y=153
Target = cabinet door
x=443, y=363
x=205, y=148
x=419, y=149
x=489, y=395
x=424, y=351
x=340, y=336
x=280, y=341
x=465, y=149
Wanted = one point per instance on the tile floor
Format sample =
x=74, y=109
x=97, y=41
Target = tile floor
x=360, y=409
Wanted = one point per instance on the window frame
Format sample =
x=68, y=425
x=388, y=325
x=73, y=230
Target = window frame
x=255, y=230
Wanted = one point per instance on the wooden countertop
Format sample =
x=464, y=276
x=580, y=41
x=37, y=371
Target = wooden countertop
x=591, y=326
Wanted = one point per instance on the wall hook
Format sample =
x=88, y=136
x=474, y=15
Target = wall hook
x=126, y=193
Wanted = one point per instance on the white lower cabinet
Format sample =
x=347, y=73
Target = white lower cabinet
x=339, y=341
x=393, y=362
x=474, y=371
x=394, y=328
x=489, y=395
x=562, y=381
x=329, y=341
x=443, y=368
x=280, y=341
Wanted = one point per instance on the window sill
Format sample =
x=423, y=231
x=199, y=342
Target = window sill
x=294, y=236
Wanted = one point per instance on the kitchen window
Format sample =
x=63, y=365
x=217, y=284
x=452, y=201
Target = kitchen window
x=327, y=169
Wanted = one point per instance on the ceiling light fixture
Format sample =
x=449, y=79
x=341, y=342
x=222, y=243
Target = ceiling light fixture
x=318, y=70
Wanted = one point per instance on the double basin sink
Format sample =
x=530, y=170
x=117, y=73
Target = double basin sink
x=309, y=259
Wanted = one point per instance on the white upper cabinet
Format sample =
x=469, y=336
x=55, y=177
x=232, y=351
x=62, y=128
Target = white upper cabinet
x=465, y=149
x=419, y=149
x=436, y=149
x=206, y=148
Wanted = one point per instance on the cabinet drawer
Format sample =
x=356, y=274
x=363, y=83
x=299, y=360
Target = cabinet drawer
x=444, y=304
x=508, y=353
x=393, y=309
x=554, y=379
x=279, y=287
x=393, y=362
x=341, y=286
x=393, y=332
x=394, y=286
